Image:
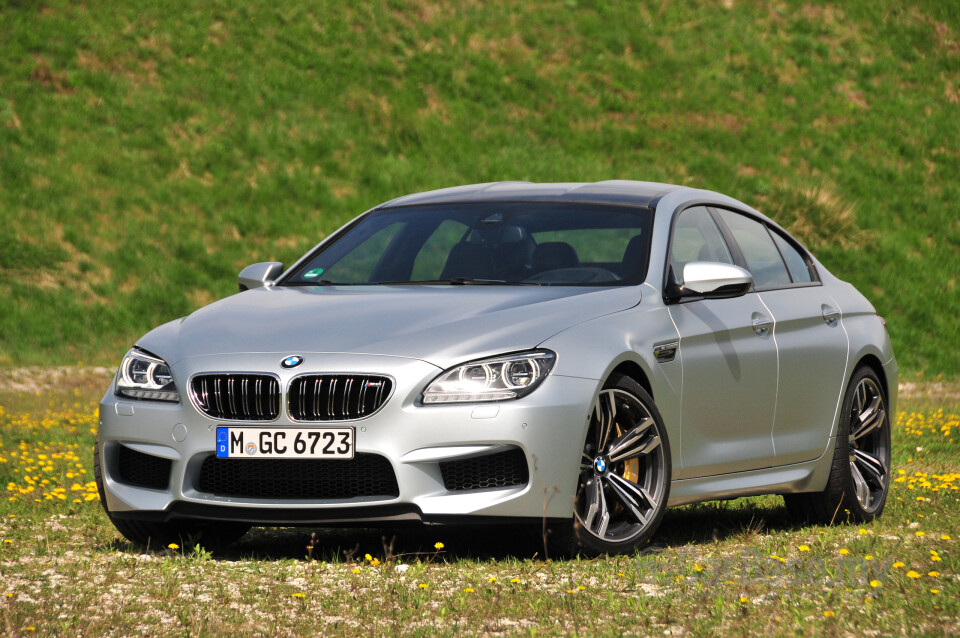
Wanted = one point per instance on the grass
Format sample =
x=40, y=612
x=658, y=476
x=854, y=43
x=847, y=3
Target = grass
x=147, y=155
x=716, y=568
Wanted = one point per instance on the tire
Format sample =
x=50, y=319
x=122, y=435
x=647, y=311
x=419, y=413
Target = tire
x=860, y=475
x=623, y=489
x=156, y=535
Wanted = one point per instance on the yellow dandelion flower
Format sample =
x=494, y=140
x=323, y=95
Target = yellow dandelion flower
x=934, y=574
x=935, y=558
x=299, y=594
x=492, y=579
x=804, y=548
x=934, y=591
x=581, y=587
x=844, y=551
x=829, y=614
x=375, y=562
x=868, y=557
x=898, y=564
x=913, y=574
x=438, y=545
x=8, y=541
x=861, y=531
x=468, y=590
x=920, y=533
x=622, y=575
x=423, y=585
x=515, y=580
x=874, y=583
x=744, y=599
x=367, y=557
x=173, y=546
x=570, y=591
x=944, y=537
x=356, y=570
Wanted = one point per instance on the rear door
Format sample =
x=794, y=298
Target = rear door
x=811, y=344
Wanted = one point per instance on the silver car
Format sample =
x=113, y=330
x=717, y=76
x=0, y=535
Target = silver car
x=579, y=356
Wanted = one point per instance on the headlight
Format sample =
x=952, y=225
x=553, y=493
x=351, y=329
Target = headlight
x=142, y=376
x=507, y=377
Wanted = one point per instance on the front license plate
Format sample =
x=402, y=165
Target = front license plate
x=285, y=443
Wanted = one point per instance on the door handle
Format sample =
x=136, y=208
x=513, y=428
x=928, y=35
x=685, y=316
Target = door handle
x=830, y=315
x=761, y=324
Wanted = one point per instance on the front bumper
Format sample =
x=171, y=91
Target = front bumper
x=143, y=440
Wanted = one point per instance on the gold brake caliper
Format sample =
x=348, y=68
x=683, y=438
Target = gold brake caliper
x=631, y=467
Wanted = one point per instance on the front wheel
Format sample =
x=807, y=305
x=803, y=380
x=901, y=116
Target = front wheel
x=624, y=474
x=860, y=475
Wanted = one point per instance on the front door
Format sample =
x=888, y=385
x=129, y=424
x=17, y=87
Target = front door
x=728, y=360
x=729, y=363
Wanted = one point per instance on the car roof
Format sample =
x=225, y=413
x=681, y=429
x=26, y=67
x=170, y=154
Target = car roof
x=612, y=192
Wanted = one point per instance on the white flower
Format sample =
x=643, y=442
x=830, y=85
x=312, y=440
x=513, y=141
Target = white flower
x=401, y=568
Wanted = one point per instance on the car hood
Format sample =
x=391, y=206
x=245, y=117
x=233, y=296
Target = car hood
x=443, y=325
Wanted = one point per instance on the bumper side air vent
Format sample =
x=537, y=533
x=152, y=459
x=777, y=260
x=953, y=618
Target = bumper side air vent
x=142, y=470
x=500, y=469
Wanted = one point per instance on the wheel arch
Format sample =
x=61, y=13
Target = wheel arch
x=632, y=369
x=871, y=361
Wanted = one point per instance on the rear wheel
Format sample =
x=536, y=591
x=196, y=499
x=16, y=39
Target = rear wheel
x=860, y=475
x=624, y=474
x=158, y=535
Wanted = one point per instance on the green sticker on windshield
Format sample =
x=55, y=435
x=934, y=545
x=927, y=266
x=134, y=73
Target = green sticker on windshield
x=313, y=274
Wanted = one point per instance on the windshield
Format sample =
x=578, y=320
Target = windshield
x=529, y=243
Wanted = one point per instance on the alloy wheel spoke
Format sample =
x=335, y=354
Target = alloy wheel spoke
x=601, y=528
x=869, y=420
x=861, y=396
x=642, y=448
x=597, y=518
x=632, y=443
x=634, y=497
x=605, y=413
x=593, y=502
x=586, y=461
x=871, y=468
x=860, y=484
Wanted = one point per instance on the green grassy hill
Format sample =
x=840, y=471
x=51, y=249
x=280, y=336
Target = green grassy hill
x=150, y=150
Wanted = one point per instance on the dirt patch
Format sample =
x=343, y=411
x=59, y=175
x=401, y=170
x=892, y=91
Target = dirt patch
x=929, y=390
x=37, y=379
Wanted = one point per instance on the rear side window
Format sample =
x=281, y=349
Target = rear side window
x=796, y=264
x=763, y=258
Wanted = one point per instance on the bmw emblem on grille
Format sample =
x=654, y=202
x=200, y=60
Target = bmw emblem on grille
x=600, y=464
x=292, y=361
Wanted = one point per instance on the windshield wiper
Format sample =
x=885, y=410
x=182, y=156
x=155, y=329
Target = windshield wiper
x=464, y=281
x=457, y=281
x=316, y=282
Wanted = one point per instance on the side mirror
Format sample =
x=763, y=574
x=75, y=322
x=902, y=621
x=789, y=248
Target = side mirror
x=714, y=280
x=258, y=275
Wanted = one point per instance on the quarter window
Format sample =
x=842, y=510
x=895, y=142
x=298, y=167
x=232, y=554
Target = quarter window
x=763, y=258
x=796, y=264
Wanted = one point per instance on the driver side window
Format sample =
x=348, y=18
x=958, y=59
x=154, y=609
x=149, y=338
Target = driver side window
x=696, y=238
